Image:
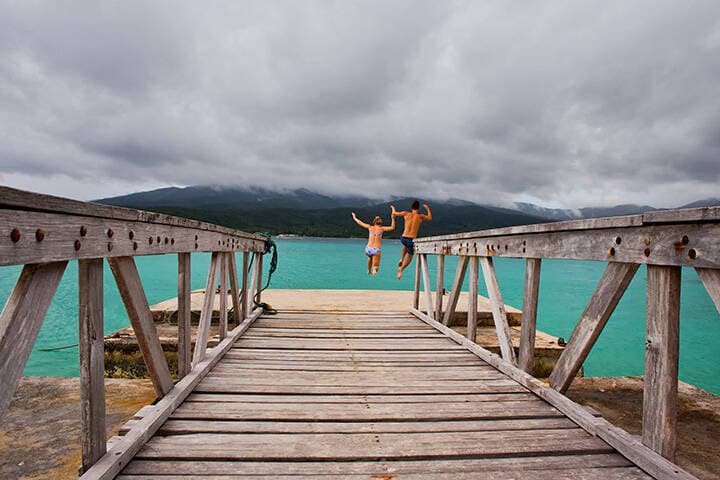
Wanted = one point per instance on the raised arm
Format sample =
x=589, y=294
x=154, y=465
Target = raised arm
x=392, y=222
x=360, y=222
x=427, y=216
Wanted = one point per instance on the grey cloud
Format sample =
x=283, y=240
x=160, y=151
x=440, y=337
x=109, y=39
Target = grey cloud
x=492, y=101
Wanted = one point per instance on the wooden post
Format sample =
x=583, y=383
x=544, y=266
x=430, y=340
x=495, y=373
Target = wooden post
x=529, y=315
x=258, y=291
x=610, y=288
x=498, y=310
x=253, y=283
x=439, y=287
x=141, y=319
x=472, y=300
x=455, y=292
x=245, y=290
x=661, y=360
x=416, y=288
x=426, y=284
x=207, y=310
x=184, y=315
x=222, y=309
x=21, y=319
x=92, y=360
x=237, y=313
x=710, y=277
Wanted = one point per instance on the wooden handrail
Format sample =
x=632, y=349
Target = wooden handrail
x=663, y=240
x=43, y=233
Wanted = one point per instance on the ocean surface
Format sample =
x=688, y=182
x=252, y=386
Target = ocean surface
x=565, y=288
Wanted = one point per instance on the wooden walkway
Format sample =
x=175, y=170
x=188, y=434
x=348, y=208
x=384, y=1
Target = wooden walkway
x=366, y=395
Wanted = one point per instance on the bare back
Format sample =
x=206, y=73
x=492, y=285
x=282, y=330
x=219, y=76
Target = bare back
x=413, y=219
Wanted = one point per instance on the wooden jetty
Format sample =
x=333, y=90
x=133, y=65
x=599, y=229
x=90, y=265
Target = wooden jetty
x=355, y=394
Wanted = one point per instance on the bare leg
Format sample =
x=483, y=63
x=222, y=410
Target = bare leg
x=402, y=257
x=404, y=265
x=376, y=264
x=369, y=264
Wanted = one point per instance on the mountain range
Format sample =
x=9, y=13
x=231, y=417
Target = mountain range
x=304, y=212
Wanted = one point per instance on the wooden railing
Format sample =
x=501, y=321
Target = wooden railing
x=665, y=241
x=44, y=233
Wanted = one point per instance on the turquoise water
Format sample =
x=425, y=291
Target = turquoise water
x=565, y=289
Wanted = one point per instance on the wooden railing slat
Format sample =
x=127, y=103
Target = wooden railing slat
x=92, y=360
x=133, y=295
x=528, y=326
x=203, y=331
x=710, y=278
x=610, y=288
x=502, y=328
x=21, y=319
x=237, y=318
x=184, y=315
x=222, y=309
x=455, y=292
x=426, y=284
x=660, y=392
x=439, y=287
x=246, y=305
x=472, y=300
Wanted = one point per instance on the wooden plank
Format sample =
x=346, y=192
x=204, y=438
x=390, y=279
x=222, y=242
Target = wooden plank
x=73, y=237
x=222, y=308
x=138, y=310
x=472, y=300
x=372, y=412
x=651, y=245
x=660, y=391
x=346, y=366
x=710, y=277
x=203, y=330
x=626, y=444
x=184, y=315
x=456, y=288
x=224, y=385
x=354, y=378
x=440, y=287
x=185, y=427
x=25, y=201
x=498, y=310
x=370, y=446
x=253, y=282
x=609, y=291
x=21, y=319
x=380, y=468
x=259, y=287
x=123, y=451
x=238, y=315
x=353, y=344
x=246, y=305
x=529, y=315
x=362, y=399
x=92, y=360
x=683, y=215
x=426, y=284
x=416, y=287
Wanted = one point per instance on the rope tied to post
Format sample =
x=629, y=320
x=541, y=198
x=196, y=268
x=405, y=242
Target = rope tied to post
x=270, y=247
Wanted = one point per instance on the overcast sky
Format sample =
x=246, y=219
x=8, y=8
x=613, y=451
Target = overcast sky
x=560, y=103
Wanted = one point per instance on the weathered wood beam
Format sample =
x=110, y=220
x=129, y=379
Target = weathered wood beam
x=642, y=456
x=426, y=284
x=131, y=290
x=416, y=286
x=609, y=291
x=439, y=287
x=456, y=288
x=684, y=244
x=92, y=360
x=258, y=288
x=253, y=281
x=498, y=310
x=660, y=392
x=125, y=449
x=184, y=315
x=222, y=309
x=32, y=237
x=472, y=300
x=246, y=305
x=203, y=331
x=237, y=311
x=20, y=322
x=528, y=326
x=710, y=277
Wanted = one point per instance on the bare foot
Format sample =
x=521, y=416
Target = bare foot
x=400, y=262
x=399, y=275
x=374, y=271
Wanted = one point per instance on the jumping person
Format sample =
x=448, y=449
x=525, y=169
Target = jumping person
x=375, y=239
x=413, y=219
